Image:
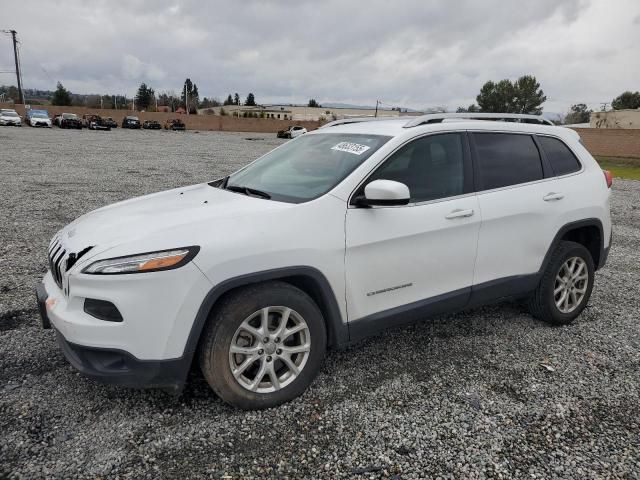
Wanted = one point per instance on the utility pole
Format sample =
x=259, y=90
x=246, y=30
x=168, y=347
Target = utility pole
x=377, y=102
x=186, y=97
x=15, y=55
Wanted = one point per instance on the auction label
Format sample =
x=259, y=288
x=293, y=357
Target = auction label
x=349, y=147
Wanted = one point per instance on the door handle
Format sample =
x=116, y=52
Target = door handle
x=458, y=213
x=553, y=196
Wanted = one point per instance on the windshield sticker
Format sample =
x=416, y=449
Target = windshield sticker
x=349, y=147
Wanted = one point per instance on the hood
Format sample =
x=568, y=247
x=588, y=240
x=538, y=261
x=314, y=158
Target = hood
x=160, y=214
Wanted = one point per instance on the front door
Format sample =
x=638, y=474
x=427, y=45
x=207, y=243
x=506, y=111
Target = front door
x=400, y=260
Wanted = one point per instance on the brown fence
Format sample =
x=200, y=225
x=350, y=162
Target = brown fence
x=192, y=122
x=611, y=142
x=608, y=142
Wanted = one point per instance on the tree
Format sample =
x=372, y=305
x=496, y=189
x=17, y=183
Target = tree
x=194, y=99
x=470, y=109
x=190, y=93
x=522, y=96
x=229, y=100
x=11, y=93
x=578, y=113
x=144, y=97
x=312, y=103
x=626, y=100
x=209, y=102
x=250, y=101
x=61, y=96
x=236, y=99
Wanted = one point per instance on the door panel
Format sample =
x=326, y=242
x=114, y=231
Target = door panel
x=399, y=255
x=517, y=227
x=519, y=207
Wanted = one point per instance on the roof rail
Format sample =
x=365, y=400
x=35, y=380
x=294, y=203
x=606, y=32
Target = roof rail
x=439, y=117
x=346, y=121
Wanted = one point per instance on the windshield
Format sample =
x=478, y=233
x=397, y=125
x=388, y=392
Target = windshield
x=39, y=115
x=307, y=167
x=10, y=114
x=69, y=115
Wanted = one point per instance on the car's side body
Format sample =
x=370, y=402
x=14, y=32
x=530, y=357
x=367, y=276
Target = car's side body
x=69, y=120
x=292, y=131
x=174, y=124
x=151, y=125
x=131, y=122
x=95, y=122
x=366, y=268
x=37, y=118
x=9, y=117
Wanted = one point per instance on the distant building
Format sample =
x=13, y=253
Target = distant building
x=616, y=119
x=298, y=112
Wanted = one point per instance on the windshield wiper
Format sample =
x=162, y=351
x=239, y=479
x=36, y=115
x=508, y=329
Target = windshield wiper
x=248, y=191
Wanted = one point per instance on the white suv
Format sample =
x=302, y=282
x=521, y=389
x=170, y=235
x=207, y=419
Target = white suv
x=348, y=230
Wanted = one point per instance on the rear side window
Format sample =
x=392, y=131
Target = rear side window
x=505, y=159
x=562, y=160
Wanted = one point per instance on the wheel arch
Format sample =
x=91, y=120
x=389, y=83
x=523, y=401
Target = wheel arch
x=588, y=232
x=308, y=279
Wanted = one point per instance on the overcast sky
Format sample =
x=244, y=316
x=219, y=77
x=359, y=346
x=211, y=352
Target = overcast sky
x=416, y=53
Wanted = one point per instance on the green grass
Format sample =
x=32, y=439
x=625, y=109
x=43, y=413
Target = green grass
x=627, y=168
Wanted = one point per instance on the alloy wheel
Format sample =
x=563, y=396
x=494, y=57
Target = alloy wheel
x=571, y=284
x=269, y=349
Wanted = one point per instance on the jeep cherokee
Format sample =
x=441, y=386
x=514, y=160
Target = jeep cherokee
x=334, y=236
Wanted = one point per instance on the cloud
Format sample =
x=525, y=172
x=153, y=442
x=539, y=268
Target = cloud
x=135, y=69
x=415, y=53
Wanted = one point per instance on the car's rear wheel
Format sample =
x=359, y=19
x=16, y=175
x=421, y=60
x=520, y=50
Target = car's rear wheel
x=263, y=345
x=565, y=286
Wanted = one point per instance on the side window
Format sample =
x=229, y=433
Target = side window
x=506, y=159
x=432, y=167
x=562, y=160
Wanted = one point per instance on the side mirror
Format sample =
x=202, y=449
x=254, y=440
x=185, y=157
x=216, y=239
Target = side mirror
x=384, y=193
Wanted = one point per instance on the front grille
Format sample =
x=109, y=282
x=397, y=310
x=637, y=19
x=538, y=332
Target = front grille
x=56, y=255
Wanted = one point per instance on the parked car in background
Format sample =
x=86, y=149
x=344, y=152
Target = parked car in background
x=68, y=120
x=110, y=122
x=131, y=122
x=37, y=118
x=10, y=117
x=393, y=220
x=292, y=131
x=174, y=124
x=151, y=125
x=95, y=122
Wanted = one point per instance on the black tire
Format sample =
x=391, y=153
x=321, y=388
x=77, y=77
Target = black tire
x=222, y=325
x=542, y=304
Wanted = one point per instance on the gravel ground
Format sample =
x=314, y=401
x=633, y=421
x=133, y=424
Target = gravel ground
x=489, y=393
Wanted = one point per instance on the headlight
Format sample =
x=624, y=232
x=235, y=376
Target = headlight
x=144, y=262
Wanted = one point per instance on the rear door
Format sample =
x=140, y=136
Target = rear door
x=417, y=255
x=519, y=207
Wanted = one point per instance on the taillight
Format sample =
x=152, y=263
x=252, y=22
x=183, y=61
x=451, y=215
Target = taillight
x=608, y=177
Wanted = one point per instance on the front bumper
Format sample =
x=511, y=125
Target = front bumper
x=157, y=309
x=114, y=366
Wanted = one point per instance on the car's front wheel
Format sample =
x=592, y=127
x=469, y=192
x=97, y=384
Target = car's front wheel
x=263, y=345
x=565, y=286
